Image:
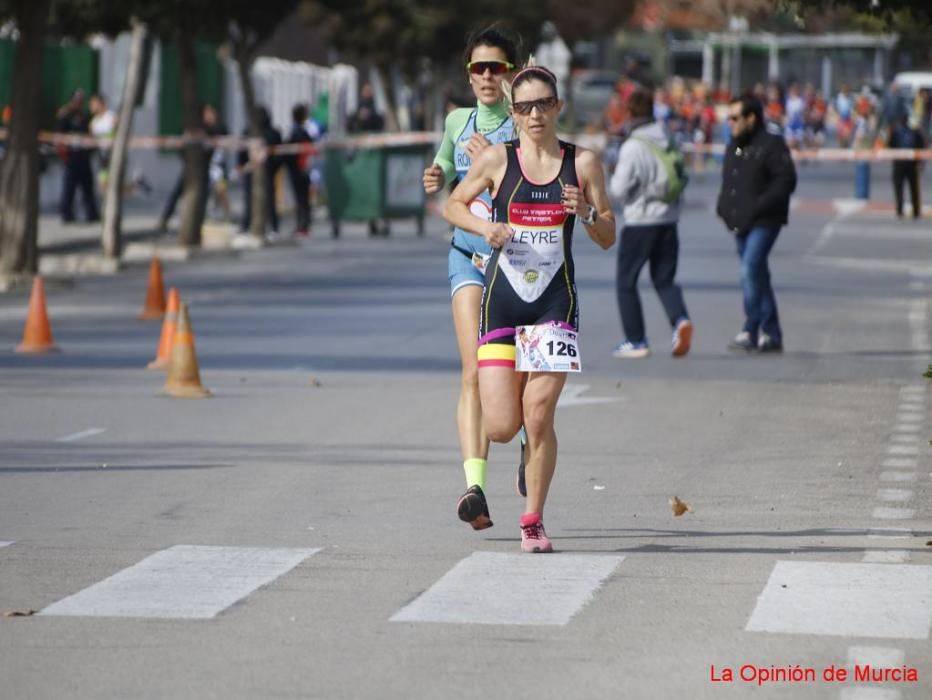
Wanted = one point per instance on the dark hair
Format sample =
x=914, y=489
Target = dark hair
x=299, y=113
x=535, y=73
x=750, y=104
x=494, y=37
x=641, y=103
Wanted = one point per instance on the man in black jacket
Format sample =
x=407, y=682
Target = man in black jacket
x=72, y=119
x=298, y=165
x=758, y=178
x=902, y=135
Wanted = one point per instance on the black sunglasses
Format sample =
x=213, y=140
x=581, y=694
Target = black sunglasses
x=544, y=104
x=494, y=67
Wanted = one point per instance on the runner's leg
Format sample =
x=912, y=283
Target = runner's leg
x=473, y=442
x=540, y=402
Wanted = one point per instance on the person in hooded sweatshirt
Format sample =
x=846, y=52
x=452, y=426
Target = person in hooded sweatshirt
x=649, y=193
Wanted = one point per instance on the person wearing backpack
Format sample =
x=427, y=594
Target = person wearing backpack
x=902, y=135
x=648, y=183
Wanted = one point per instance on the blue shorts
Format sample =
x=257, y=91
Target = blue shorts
x=460, y=267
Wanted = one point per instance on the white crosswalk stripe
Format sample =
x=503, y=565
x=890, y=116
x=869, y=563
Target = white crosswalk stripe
x=184, y=581
x=897, y=476
x=856, y=600
x=886, y=556
x=512, y=589
x=884, y=513
x=5, y=544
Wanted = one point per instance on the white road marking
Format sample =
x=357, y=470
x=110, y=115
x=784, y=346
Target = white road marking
x=884, y=513
x=899, y=463
x=81, y=435
x=913, y=389
x=844, y=208
x=881, y=657
x=852, y=600
x=571, y=396
x=902, y=450
x=871, y=265
x=889, y=533
x=908, y=418
x=897, y=476
x=870, y=694
x=912, y=407
x=184, y=581
x=895, y=495
x=889, y=556
x=905, y=438
x=911, y=428
x=5, y=544
x=496, y=588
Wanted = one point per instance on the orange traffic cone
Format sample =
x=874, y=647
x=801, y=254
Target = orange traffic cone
x=164, y=351
x=37, y=335
x=155, y=295
x=184, y=379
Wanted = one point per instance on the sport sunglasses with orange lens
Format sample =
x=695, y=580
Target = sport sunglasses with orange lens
x=494, y=67
x=544, y=104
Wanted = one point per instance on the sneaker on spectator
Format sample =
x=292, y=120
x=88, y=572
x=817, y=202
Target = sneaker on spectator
x=768, y=344
x=743, y=342
x=245, y=241
x=533, y=537
x=682, y=337
x=631, y=351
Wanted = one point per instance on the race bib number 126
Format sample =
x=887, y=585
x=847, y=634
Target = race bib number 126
x=546, y=348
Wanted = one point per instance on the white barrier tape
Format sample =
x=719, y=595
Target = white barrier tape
x=233, y=143
x=596, y=142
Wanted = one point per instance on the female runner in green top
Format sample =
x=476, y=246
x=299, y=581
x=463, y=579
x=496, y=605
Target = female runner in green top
x=490, y=59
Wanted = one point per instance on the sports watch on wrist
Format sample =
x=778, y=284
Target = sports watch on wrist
x=591, y=218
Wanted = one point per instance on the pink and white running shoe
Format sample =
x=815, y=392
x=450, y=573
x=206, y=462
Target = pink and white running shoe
x=533, y=537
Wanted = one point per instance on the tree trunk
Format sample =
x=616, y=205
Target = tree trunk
x=113, y=206
x=19, y=171
x=194, y=200
x=391, y=115
x=257, y=222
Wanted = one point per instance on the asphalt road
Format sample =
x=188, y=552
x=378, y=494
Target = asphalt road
x=295, y=535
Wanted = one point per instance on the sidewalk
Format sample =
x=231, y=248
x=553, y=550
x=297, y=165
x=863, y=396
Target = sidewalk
x=75, y=248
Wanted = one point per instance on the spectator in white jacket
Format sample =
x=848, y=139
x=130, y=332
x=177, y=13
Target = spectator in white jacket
x=648, y=182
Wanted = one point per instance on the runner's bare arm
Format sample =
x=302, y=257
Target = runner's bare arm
x=486, y=170
x=592, y=183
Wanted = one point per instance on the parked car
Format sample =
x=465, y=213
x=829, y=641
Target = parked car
x=591, y=90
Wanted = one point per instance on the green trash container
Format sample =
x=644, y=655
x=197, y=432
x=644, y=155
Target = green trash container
x=368, y=184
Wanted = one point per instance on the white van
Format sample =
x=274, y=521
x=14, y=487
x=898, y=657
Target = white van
x=911, y=82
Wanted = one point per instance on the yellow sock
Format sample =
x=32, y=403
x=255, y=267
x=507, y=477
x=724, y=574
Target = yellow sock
x=475, y=472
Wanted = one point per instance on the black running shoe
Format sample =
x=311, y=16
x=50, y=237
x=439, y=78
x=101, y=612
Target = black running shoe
x=473, y=509
x=520, y=484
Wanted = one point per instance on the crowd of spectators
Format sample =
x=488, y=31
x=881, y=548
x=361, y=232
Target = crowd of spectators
x=807, y=118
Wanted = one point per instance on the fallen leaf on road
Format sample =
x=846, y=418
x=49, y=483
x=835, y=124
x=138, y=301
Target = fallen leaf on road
x=679, y=507
x=315, y=381
x=929, y=543
x=17, y=613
